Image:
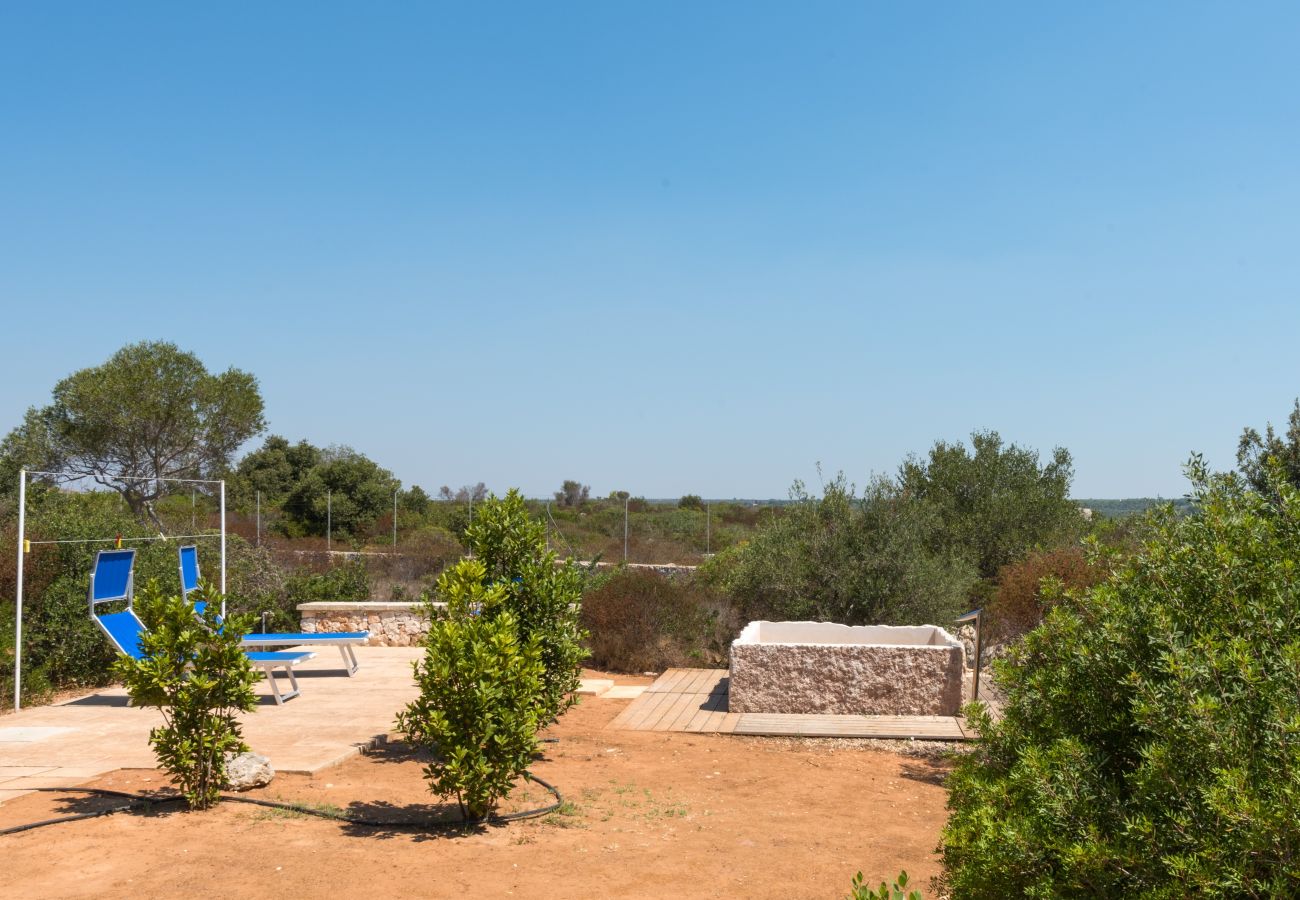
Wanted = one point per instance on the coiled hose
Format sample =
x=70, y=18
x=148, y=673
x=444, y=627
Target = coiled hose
x=143, y=801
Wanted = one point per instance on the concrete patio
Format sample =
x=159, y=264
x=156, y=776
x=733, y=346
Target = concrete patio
x=335, y=717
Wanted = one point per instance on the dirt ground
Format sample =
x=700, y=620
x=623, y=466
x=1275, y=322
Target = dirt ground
x=646, y=815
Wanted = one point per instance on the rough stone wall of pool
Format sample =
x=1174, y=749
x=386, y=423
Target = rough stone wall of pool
x=391, y=624
x=822, y=667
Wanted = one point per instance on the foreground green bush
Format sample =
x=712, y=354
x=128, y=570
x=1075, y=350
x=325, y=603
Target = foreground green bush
x=195, y=672
x=543, y=595
x=477, y=712
x=1151, y=739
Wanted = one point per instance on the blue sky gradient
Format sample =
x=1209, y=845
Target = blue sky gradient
x=670, y=247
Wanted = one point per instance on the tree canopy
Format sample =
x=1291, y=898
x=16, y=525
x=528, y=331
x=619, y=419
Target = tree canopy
x=151, y=412
x=1254, y=450
x=998, y=501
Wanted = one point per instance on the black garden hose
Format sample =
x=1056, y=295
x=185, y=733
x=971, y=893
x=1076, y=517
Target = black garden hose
x=144, y=800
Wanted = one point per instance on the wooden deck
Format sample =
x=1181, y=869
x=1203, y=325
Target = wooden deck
x=695, y=700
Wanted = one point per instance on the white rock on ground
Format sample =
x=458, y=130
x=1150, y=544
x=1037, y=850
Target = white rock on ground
x=248, y=770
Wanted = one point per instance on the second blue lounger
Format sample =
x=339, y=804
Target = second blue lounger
x=344, y=640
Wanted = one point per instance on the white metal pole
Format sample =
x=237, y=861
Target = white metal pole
x=223, y=548
x=18, y=621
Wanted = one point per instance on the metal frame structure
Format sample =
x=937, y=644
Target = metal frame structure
x=976, y=616
x=24, y=547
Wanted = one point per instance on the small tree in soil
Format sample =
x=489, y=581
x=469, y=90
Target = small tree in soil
x=478, y=708
x=195, y=673
x=543, y=596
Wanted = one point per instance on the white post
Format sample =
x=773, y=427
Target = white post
x=223, y=548
x=18, y=621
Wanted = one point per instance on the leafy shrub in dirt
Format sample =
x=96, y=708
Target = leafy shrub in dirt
x=1148, y=745
x=1018, y=603
x=478, y=709
x=640, y=621
x=197, y=675
x=543, y=595
x=863, y=891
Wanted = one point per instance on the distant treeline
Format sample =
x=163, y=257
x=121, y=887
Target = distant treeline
x=1118, y=509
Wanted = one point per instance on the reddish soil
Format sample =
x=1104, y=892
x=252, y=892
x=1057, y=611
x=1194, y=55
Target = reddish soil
x=649, y=815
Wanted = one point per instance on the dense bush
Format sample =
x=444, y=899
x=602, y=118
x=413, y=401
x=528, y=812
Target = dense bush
x=878, y=559
x=1018, y=603
x=639, y=621
x=996, y=502
x=197, y=675
x=1149, y=740
x=543, y=595
x=478, y=709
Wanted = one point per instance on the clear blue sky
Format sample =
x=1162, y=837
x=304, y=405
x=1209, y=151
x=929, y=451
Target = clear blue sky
x=670, y=247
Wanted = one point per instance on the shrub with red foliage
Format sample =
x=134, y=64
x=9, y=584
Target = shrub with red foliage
x=1017, y=605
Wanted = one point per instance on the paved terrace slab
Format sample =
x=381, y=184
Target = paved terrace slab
x=335, y=717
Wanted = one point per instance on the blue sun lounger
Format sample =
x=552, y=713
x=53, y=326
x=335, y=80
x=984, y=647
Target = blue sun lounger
x=112, y=580
x=344, y=640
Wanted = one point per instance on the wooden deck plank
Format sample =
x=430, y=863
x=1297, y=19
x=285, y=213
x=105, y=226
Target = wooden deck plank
x=648, y=704
x=705, y=714
x=703, y=682
x=669, y=681
x=695, y=700
x=692, y=709
x=680, y=702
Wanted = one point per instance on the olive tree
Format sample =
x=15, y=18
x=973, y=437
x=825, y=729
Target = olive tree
x=151, y=412
x=998, y=501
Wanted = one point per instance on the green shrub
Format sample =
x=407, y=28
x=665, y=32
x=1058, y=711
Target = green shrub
x=479, y=684
x=1149, y=744
x=195, y=672
x=640, y=621
x=544, y=596
x=862, y=891
x=841, y=558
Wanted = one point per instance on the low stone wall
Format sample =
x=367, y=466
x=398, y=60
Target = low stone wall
x=836, y=677
x=391, y=624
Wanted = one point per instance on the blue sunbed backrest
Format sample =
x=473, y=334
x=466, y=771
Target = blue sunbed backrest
x=111, y=577
x=189, y=569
